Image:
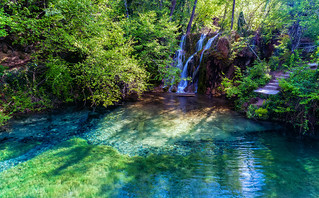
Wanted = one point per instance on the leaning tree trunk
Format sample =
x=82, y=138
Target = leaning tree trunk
x=189, y=27
x=233, y=13
x=126, y=9
x=224, y=17
x=172, y=8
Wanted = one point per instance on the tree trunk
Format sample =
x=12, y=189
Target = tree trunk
x=189, y=27
x=233, y=13
x=172, y=8
x=224, y=17
x=126, y=9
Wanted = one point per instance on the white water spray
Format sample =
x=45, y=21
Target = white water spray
x=207, y=46
x=183, y=84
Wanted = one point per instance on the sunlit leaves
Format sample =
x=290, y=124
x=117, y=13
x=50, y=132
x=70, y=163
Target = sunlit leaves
x=3, y=21
x=156, y=42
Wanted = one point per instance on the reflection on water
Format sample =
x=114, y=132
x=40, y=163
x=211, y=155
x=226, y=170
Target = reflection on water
x=264, y=166
x=194, y=147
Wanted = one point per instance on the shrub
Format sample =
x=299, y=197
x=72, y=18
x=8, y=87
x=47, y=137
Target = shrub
x=243, y=85
x=299, y=99
x=4, y=118
x=262, y=113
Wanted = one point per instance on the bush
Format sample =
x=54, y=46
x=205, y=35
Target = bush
x=262, y=113
x=4, y=118
x=155, y=43
x=243, y=85
x=3, y=22
x=95, y=60
x=299, y=99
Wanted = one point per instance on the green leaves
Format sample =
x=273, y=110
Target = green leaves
x=4, y=20
x=99, y=60
x=300, y=99
x=155, y=42
x=243, y=84
x=4, y=118
x=81, y=54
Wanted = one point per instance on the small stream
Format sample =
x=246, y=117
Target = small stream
x=177, y=146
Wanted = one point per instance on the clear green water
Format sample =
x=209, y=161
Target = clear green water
x=161, y=146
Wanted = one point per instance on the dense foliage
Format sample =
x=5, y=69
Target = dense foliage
x=299, y=100
x=297, y=103
x=156, y=42
x=3, y=22
x=99, y=52
x=81, y=51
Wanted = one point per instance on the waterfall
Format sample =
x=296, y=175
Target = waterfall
x=180, y=53
x=179, y=57
x=183, y=84
x=199, y=45
x=126, y=8
x=207, y=46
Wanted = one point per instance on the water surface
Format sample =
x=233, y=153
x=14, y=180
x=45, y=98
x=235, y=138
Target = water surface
x=174, y=147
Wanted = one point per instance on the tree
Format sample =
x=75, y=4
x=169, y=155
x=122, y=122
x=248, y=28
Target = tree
x=155, y=42
x=191, y=19
x=233, y=13
x=81, y=52
x=224, y=16
x=172, y=8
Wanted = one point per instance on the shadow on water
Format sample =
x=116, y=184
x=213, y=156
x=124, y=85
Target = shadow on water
x=177, y=147
x=39, y=133
x=161, y=121
x=243, y=168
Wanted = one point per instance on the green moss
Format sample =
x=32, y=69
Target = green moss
x=73, y=169
x=202, y=76
x=13, y=149
x=77, y=169
x=190, y=45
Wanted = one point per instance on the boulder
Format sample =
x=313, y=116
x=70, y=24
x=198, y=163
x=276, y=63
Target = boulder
x=223, y=47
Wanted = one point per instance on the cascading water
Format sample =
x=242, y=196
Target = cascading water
x=183, y=84
x=180, y=53
x=179, y=57
x=200, y=43
x=207, y=46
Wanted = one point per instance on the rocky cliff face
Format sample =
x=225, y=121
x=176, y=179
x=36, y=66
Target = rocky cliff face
x=221, y=59
x=216, y=58
x=216, y=63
